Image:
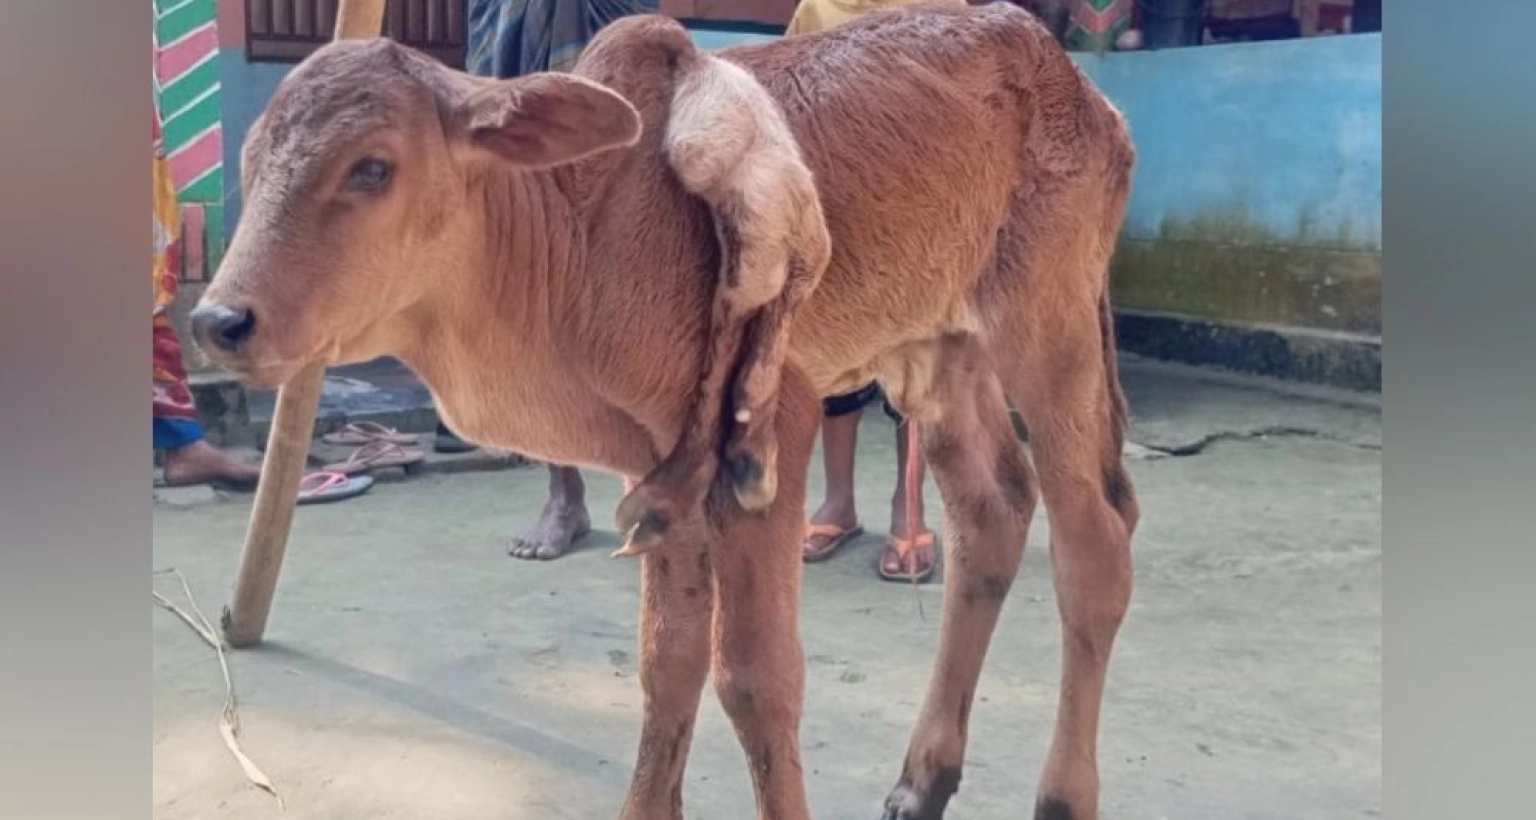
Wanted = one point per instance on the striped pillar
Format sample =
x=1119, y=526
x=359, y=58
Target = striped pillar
x=188, y=95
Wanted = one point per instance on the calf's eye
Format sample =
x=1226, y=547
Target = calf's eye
x=369, y=174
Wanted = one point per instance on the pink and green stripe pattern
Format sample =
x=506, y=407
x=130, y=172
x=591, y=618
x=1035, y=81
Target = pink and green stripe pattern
x=187, y=75
x=1096, y=23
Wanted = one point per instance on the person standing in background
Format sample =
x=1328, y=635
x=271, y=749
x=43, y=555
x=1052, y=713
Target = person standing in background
x=908, y=556
x=189, y=458
x=819, y=15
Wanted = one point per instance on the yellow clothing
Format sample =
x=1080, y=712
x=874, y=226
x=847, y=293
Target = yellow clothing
x=819, y=15
x=164, y=266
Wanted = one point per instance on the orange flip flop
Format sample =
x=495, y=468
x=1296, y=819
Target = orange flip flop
x=837, y=537
x=915, y=559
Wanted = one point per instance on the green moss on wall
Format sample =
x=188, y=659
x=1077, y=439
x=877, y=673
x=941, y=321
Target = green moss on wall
x=1301, y=287
x=1221, y=266
x=1230, y=226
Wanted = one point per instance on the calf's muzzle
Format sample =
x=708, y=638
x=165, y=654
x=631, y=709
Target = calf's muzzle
x=222, y=328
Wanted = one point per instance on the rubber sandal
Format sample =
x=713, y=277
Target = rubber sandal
x=907, y=553
x=446, y=441
x=365, y=432
x=234, y=485
x=837, y=535
x=326, y=487
x=376, y=455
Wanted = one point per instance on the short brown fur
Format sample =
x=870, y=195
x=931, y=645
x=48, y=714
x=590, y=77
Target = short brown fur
x=537, y=259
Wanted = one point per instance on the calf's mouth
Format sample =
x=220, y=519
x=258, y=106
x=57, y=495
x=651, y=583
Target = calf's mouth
x=242, y=339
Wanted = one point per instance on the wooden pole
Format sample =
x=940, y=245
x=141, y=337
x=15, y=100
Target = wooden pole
x=359, y=19
x=293, y=424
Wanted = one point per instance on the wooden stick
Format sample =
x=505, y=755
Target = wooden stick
x=293, y=424
x=266, y=537
x=357, y=19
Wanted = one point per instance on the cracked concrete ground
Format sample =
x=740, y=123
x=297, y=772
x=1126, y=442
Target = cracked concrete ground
x=414, y=671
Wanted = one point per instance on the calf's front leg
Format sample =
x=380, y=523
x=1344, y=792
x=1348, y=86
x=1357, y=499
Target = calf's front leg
x=675, y=595
x=759, y=668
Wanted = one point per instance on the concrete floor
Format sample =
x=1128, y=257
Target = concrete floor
x=415, y=671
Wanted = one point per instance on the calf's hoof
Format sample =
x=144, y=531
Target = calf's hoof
x=754, y=480
x=908, y=802
x=643, y=520
x=642, y=537
x=1051, y=808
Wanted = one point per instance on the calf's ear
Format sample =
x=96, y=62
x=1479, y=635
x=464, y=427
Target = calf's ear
x=548, y=119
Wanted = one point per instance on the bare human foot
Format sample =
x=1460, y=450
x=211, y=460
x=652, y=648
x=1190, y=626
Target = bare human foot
x=203, y=463
x=564, y=521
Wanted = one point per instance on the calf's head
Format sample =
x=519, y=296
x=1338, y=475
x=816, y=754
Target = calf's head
x=360, y=184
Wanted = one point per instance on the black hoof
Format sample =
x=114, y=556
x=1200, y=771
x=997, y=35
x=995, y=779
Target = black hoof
x=640, y=509
x=1049, y=808
x=648, y=533
x=907, y=803
x=745, y=469
x=753, y=485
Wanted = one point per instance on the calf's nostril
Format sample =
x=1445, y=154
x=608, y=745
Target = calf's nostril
x=222, y=327
x=239, y=329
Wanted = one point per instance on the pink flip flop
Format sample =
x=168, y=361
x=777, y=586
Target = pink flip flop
x=376, y=455
x=367, y=432
x=325, y=487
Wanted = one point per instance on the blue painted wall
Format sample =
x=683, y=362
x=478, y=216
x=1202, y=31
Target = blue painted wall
x=1284, y=136
x=713, y=40
x=247, y=88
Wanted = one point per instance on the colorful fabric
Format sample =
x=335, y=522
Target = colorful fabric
x=172, y=396
x=1096, y=24
x=508, y=38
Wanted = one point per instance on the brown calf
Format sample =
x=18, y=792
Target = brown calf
x=529, y=247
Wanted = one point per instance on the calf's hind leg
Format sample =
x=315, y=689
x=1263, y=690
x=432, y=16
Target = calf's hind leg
x=1064, y=382
x=1058, y=365
x=989, y=498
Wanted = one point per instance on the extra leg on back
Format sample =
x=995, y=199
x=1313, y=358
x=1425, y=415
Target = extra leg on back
x=729, y=145
x=673, y=493
x=751, y=451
